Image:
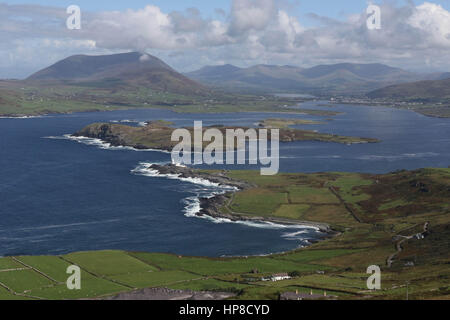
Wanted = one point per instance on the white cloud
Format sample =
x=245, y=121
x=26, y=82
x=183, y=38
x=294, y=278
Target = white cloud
x=247, y=15
x=434, y=22
x=137, y=29
x=254, y=31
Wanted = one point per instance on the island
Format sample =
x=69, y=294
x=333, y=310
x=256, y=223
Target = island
x=157, y=134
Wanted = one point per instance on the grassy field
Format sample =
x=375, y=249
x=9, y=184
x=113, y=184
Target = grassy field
x=19, y=99
x=388, y=206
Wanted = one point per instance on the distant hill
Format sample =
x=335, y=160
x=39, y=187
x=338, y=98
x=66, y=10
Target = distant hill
x=443, y=76
x=125, y=69
x=432, y=90
x=344, y=78
x=218, y=73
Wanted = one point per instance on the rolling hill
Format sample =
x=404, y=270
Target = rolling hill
x=118, y=70
x=344, y=78
x=426, y=91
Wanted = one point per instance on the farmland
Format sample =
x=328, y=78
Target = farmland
x=369, y=212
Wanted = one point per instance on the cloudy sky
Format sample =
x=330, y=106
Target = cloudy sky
x=190, y=34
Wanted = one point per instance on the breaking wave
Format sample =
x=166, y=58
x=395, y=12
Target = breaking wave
x=398, y=157
x=21, y=117
x=192, y=206
x=145, y=169
x=139, y=123
x=101, y=144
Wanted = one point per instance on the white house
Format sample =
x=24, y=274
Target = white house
x=280, y=277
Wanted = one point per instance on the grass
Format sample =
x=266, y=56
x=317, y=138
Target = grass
x=109, y=263
x=327, y=282
x=306, y=256
x=305, y=194
x=346, y=186
x=292, y=211
x=335, y=215
x=91, y=287
x=6, y=295
x=258, y=202
x=49, y=265
x=23, y=280
x=18, y=98
x=8, y=263
x=214, y=267
x=154, y=279
x=392, y=204
x=336, y=265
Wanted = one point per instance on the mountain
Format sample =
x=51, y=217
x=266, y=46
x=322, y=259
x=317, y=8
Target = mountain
x=218, y=73
x=427, y=91
x=443, y=76
x=344, y=78
x=125, y=69
x=368, y=71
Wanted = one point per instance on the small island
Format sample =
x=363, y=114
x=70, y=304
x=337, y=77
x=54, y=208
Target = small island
x=157, y=134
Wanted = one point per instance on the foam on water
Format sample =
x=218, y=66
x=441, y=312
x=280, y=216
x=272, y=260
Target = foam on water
x=100, y=143
x=146, y=169
x=139, y=123
x=22, y=117
x=61, y=226
x=192, y=206
x=398, y=157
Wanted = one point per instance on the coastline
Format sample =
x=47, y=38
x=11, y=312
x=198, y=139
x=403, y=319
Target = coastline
x=157, y=135
x=422, y=110
x=211, y=206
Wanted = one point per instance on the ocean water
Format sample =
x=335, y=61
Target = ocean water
x=60, y=195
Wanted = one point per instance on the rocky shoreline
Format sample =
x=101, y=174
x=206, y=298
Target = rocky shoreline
x=217, y=177
x=157, y=135
x=107, y=133
x=212, y=206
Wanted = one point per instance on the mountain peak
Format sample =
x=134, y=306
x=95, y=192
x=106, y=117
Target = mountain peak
x=129, y=69
x=86, y=67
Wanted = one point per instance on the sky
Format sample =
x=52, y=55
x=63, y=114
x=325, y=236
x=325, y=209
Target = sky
x=414, y=35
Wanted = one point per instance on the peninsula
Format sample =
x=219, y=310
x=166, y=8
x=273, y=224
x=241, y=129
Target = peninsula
x=398, y=221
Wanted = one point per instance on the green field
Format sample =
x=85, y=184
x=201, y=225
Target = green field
x=19, y=98
x=400, y=203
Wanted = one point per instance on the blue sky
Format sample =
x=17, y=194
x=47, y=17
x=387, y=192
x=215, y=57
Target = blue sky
x=300, y=8
x=415, y=34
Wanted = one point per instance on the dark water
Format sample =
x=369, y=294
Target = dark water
x=59, y=196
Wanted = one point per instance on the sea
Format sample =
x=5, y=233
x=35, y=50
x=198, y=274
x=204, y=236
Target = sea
x=59, y=194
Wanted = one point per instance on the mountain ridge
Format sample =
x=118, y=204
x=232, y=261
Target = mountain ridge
x=345, y=78
x=427, y=90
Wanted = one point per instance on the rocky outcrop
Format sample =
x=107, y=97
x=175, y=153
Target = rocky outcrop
x=157, y=135
x=154, y=135
x=218, y=177
x=214, y=206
